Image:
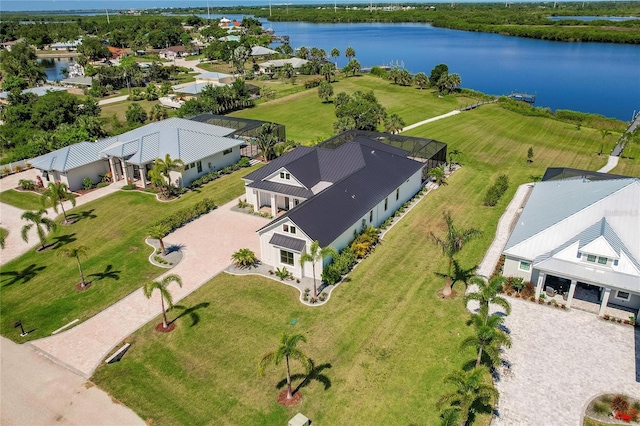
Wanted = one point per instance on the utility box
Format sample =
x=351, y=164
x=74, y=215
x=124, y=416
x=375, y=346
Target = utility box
x=299, y=420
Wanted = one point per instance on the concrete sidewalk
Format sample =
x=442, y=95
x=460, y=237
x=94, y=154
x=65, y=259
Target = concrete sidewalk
x=35, y=391
x=82, y=348
x=429, y=120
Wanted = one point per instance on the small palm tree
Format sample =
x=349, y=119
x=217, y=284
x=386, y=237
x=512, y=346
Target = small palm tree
x=3, y=237
x=394, y=124
x=438, y=174
x=470, y=388
x=316, y=254
x=164, y=168
x=488, y=337
x=244, y=258
x=452, y=153
x=76, y=252
x=451, y=244
x=41, y=223
x=158, y=232
x=286, y=349
x=162, y=285
x=266, y=140
x=488, y=292
x=57, y=193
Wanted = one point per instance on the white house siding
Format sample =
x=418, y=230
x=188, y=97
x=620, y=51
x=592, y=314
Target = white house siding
x=292, y=181
x=209, y=164
x=92, y=171
x=270, y=255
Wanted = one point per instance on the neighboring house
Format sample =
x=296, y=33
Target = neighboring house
x=206, y=79
x=229, y=38
x=117, y=53
x=329, y=193
x=203, y=148
x=8, y=45
x=39, y=91
x=582, y=237
x=276, y=64
x=262, y=51
x=68, y=45
x=172, y=52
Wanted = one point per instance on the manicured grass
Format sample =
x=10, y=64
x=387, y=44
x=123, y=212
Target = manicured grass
x=384, y=342
x=311, y=120
x=38, y=288
x=22, y=200
x=119, y=108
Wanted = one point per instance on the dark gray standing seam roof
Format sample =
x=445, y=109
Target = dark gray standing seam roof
x=331, y=212
x=281, y=188
x=285, y=241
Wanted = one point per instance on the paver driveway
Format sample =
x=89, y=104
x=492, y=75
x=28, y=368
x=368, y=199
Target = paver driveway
x=207, y=242
x=560, y=360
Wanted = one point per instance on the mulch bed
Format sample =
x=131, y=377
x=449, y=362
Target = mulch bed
x=170, y=327
x=451, y=296
x=291, y=402
x=80, y=288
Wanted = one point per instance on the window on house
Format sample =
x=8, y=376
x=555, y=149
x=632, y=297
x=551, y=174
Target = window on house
x=296, y=201
x=364, y=223
x=186, y=167
x=397, y=194
x=623, y=295
x=285, y=228
x=281, y=175
x=602, y=260
x=591, y=258
x=192, y=165
x=525, y=266
x=292, y=229
x=371, y=216
x=386, y=203
x=287, y=176
x=227, y=151
x=286, y=257
x=199, y=164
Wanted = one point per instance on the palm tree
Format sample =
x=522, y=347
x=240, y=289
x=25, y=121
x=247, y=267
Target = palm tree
x=488, y=337
x=469, y=390
x=77, y=252
x=328, y=71
x=451, y=245
x=57, y=193
x=163, y=168
x=451, y=154
x=316, y=254
x=158, y=232
x=394, y=124
x=303, y=52
x=335, y=53
x=40, y=222
x=421, y=80
x=286, y=349
x=459, y=274
x=350, y=53
x=244, y=258
x=438, y=174
x=266, y=140
x=488, y=292
x=162, y=285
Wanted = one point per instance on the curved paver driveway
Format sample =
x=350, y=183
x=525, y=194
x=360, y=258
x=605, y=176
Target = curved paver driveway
x=207, y=242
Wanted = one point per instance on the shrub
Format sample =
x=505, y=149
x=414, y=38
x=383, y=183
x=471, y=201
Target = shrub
x=186, y=215
x=26, y=184
x=620, y=403
x=282, y=273
x=242, y=203
x=309, y=84
x=129, y=187
x=102, y=184
x=323, y=296
x=87, y=183
x=244, y=162
x=244, y=258
x=600, y=408
x=529, y=289
x=18, y=168
x=340, y=266
x=495, y=192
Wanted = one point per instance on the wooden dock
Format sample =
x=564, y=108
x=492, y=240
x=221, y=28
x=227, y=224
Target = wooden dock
x=523, y=97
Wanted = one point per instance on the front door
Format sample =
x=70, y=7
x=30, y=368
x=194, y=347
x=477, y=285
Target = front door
x=286, y=203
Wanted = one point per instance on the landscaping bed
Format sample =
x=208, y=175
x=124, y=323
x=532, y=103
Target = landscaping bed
x=613, y=409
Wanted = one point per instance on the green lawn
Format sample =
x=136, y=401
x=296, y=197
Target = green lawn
x=22, y=200
x=311, y=120
x=38, y=288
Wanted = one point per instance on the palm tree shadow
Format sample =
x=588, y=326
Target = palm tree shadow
x=195, y=317
x=25, y=275
x=86, y=214
x=315, y=374
x=459, y=274
x=174, y=247
x=62, y=240
x=108, y=273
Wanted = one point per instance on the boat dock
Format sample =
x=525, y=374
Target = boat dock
x=524, y=97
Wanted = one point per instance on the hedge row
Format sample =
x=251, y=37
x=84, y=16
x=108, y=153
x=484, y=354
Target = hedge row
x=186, y=215
x=243, y=162
x=309, y=84
x=495, y=192
x=340, y=266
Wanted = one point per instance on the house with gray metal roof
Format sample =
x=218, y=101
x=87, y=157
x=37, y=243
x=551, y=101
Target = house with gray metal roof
x=328, y=194
x=202, y=147
x=581, y=238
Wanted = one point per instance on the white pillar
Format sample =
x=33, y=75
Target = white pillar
x=143, y=172
x=114, y=172
x=124, y=171
x=274, y=207
x=540, y=285
x=572, y=289
x=605, y=301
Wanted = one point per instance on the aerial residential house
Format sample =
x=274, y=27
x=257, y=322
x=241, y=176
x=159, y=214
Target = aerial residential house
x=581, y=237
x=128, y=157
x=117, y=53
x=206, y=79
x=173, y=52
x=67, y=45
x=262, y=51
x=38, y=91
x=276, y=64
x=332, y=191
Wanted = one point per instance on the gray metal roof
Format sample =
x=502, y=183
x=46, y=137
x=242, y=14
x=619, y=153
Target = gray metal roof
x=280, y=188
x=70, y=157
x=196, y=88
x=260, y=50
x=211, y=75
x=285, y=241
x=40, y=91
x=375, y=173
x=553, y=201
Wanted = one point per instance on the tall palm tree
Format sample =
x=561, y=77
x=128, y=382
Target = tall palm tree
x=158, y=232
x=470, y=388
x=451, y=244
x=57, y=193
x=266, y=140
x=41, y=223
x=488, y=292
x=421, y=80
x=286, y=349
x=316, y=254
x=350, y=53
x=328, y=70
x=77, y=252
x=165, y=167
x=335, y=53
x=161, y=286
x=393, y=124
x=488, y=337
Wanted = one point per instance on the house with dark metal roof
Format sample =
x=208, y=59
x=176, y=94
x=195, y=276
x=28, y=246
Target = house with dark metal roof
x=328, y=194
x=580, y=238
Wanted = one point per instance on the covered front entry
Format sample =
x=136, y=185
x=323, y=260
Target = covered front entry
x=275, y=204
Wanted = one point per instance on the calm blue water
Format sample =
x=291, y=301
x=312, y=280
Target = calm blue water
x=52, y=67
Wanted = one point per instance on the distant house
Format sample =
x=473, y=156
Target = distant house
x=262, y=51
x=8, y=45
x=229, y=38
x=277, y=64
x=580, y=237
x=173, y=52
x=331, y=191
x=39, y=91
x=206, y=79
x=129, y=156
x=69, y=46
x=117, y=53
